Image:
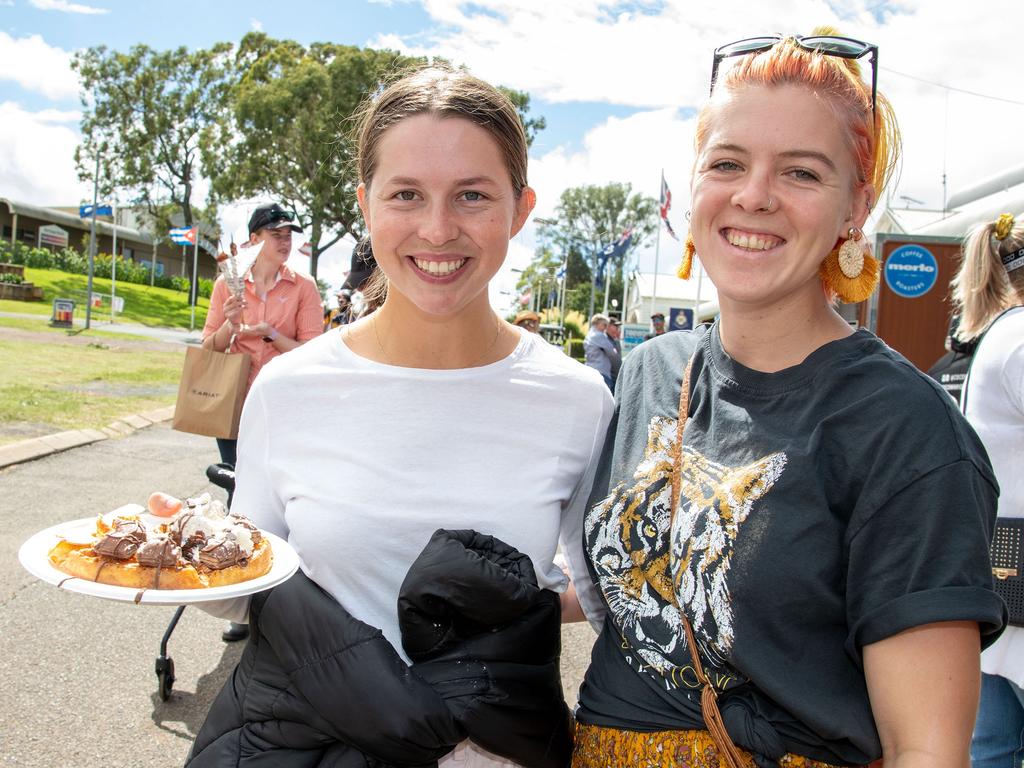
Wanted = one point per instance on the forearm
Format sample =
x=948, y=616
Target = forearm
x=220, y=339
x=572, y=611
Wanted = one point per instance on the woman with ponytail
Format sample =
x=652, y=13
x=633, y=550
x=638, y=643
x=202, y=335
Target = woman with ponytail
x=989, y=295
x=790, y=523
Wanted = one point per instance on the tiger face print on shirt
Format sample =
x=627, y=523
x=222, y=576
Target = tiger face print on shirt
x=648, y=564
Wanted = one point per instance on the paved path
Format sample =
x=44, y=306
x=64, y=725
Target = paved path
x=77, y=672
x=180, y=335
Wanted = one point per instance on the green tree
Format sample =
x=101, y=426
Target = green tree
x=540, y=277
x=144, y=114
x=288, y=135
x=587, y=219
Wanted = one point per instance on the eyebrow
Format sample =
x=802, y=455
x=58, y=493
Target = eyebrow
x=471, y=181
x=792, y=154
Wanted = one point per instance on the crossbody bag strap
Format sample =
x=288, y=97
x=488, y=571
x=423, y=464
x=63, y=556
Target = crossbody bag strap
x=708, y=695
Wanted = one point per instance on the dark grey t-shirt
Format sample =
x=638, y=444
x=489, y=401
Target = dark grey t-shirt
x=824, y=507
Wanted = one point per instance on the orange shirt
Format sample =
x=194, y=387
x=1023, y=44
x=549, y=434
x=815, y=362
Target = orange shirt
x=292, y=306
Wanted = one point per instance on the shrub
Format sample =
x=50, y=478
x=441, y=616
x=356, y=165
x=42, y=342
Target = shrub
x=9, y=277
x=574, y=348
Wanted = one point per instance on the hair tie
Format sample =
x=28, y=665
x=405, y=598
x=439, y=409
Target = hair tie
x=1004, y=225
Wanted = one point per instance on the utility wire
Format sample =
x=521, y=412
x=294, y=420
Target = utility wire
x=951, y=88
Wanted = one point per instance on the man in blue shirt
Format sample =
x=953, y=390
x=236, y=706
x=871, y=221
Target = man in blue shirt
x=600, y=350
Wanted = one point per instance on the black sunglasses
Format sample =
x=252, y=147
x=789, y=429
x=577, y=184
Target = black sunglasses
x=843, y=47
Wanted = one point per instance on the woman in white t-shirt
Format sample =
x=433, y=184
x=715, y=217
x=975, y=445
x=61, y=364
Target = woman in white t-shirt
x=989, y=295
x=432, y=412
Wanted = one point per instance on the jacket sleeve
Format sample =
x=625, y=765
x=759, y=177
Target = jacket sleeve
x=352, y=677
x=488, y=638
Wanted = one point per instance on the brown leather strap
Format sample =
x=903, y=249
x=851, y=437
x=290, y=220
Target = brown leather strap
x=708, y=696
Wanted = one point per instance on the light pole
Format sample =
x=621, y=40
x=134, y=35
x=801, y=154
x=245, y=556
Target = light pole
x=565, y=271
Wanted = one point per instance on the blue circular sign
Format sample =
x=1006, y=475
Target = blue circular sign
x=911, y=271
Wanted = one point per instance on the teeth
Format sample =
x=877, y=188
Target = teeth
x=439, y=268
x=751, y=242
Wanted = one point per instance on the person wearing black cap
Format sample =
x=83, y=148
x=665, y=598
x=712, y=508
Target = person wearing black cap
x=279, y=310
x=657, y=326
x=353, y=301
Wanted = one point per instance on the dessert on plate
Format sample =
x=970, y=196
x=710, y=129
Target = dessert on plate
x=190, y=544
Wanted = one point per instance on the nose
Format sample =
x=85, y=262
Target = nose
x=754, y=193
x=438, y=225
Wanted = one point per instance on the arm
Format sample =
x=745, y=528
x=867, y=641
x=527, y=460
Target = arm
x=224, y=318
x=309, y=321
x=924, y=685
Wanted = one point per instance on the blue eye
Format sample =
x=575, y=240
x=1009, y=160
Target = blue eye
x=802, y=174
x=725, y=165
x=472, y=196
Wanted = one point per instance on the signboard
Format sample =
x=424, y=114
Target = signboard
x=63, y=312
x=51, y=234
x=632, y=335
x=103, y=209
x=680, y=319
x=911, y=271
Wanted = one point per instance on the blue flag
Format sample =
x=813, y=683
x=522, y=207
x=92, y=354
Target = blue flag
x=614, y=250
x=102, y=209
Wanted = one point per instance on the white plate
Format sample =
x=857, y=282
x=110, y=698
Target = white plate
x=34, y=557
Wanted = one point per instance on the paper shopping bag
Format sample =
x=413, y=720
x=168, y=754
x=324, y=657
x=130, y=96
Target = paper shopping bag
x=211, y=393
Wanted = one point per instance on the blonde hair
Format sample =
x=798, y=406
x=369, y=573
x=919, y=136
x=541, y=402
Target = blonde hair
x=982, y=287
x=873, y=137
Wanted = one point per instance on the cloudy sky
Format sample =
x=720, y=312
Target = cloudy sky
x=618, y=82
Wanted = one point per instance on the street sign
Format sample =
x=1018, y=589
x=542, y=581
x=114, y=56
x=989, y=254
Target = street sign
x=51, y=234
x=911, y=271
x=680, y=319
x=102, y=209
x=632, y=335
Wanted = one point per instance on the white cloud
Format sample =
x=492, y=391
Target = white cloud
x=37, y=66
x=659, y=57
x=256, y=25
x=37, y=157
x=66, y=7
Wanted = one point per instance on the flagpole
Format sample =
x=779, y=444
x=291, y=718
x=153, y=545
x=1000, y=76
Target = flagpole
x=195, y=280
x=113, y=265
x=92, y=244
x=657, y=250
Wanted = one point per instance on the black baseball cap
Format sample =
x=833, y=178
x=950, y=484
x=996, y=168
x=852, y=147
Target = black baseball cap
x=362, y=267
x=272, y=216
x=658, y=314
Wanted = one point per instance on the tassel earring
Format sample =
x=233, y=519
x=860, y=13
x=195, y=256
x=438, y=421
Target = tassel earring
x=850, y=271
x=687, y=264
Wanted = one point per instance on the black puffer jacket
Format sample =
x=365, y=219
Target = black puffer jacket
x=316, y=687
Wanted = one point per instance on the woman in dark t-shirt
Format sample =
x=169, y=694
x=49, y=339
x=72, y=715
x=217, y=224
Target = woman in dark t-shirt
x=807, y=512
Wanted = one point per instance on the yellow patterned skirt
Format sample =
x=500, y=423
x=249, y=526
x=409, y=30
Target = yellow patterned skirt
x=598, y=747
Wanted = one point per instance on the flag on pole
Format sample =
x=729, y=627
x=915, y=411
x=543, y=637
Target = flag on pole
x=184, y=235
x=614, y=250
x=665, y=205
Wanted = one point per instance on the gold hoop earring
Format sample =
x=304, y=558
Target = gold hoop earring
x=849, y=271
x=687, y=264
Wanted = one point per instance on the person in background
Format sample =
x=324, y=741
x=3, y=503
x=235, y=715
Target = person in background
x=614, y=333
x=358, y=447
x=279, y=311
x=657, y=326
x=352, y=301
x=988, y=294
x=795, y=567
x=599, y=349
x=528, y=320
x=950, y=370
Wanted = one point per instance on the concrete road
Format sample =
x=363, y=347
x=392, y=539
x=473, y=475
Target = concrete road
x=77, y=673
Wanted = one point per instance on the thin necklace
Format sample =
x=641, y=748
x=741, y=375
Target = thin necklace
x=476, y=363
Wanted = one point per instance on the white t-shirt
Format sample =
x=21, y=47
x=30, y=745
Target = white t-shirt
x=357, y=463
x=995, y=408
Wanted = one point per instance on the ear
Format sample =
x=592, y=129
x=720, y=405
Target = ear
x=863, y=200
x=363, y=205
x=524, y=207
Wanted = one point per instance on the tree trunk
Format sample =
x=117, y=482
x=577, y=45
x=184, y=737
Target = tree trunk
x=314, y=258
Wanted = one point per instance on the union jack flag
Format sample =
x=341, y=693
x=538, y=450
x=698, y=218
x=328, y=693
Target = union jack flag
x=665, y=205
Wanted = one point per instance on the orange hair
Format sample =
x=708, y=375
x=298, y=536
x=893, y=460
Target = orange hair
x=873, y=139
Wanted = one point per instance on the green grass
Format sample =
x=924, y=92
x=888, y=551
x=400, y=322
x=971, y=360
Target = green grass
x=142, y=304
x=50, y=388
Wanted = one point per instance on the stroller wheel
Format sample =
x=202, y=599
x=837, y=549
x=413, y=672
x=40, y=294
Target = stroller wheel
x=165, y=676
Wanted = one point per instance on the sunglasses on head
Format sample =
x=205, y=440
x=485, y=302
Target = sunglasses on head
x=827, y=45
